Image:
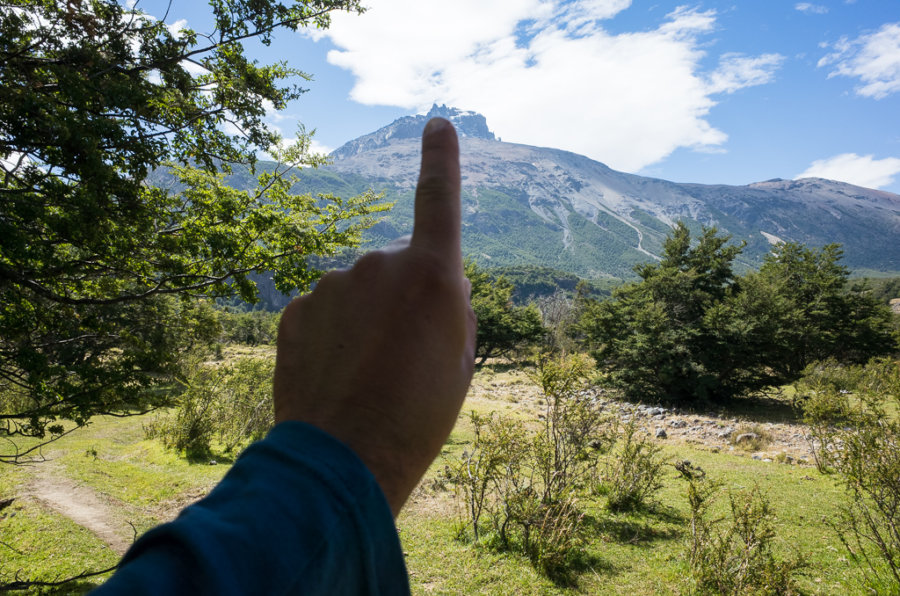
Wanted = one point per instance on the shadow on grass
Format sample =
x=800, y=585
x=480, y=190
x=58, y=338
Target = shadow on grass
x=772, y=407
x=580, y=562
x=625, y=529
x=496, y=365
x=761, y=408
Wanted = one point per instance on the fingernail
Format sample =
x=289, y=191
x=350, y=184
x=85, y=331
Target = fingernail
x=434, y=125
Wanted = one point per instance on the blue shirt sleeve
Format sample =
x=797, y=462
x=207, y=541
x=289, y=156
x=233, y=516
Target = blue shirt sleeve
x=298, y=513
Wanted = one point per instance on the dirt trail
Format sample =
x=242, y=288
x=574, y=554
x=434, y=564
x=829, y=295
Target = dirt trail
x=79, y=503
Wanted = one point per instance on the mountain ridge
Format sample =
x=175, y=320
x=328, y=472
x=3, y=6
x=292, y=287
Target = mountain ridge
x=555, y=208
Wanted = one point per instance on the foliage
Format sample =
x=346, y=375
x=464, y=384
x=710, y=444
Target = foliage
x=883, y=289
x=691, y=330
x=734, y=555
x=230, y=404
x=525, y=482
x=571, y=432
x=823, y=399
x=633, y=471
x=502, y=326
x=824, y=317
x=860, y=440
x=94, y=98
x=249, y=328
x=533, y=282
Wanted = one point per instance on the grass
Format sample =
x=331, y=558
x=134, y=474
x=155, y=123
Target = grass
x=638, y=552
x=45, y=546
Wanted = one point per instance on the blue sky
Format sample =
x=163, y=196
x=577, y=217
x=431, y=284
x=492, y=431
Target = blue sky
x=713, y=92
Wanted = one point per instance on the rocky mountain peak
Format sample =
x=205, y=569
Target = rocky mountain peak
x=467, y=123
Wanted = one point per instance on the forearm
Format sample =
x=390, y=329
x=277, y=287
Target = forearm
x=298, y=513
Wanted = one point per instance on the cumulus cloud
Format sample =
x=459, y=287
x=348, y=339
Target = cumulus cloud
x=810, y=8
x=177, y=27
x=547, y=72
x=873, y=58
x=862, y=170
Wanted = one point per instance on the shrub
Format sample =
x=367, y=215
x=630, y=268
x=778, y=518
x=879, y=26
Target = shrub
x=250, y=328
x=521, y=483
x=230, y=404
x=633, y=470
x=865, y=452
x=750, y=437
x=489, y=469
x=734, y=554
x=572, y=432
x=823, y=401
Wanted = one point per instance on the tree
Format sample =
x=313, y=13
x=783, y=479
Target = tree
x=691, y=330
x=502, y=326
x=99, y=269
x=652, y=335
x=827, y=317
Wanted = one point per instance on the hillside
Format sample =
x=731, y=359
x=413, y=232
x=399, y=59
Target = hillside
x=526, y=205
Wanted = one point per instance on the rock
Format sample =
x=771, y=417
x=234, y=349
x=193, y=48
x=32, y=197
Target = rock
x=661, y=433
x=725, y=433
x=677, y=423
x=756, y=456
x=656, y=411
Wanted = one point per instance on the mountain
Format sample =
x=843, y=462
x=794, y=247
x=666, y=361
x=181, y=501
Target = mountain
x=526, y=205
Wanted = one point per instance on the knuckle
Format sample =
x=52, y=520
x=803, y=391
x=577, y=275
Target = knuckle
x=369, y=265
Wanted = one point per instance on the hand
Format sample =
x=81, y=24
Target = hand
x=381, y=355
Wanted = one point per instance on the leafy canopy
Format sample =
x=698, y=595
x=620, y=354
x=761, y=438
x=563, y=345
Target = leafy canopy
x=691, y=330
x=502, y=326
x=98, y=267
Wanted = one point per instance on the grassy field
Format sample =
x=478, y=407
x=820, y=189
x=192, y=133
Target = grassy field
x=139, y=484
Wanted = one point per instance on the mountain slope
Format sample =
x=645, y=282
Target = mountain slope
x=548, y=207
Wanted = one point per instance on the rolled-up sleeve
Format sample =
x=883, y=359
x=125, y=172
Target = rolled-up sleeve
x=298, y=513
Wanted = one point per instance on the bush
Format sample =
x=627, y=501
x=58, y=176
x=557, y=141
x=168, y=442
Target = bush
x=633, y=470
x=249, y=328
x=823, y=399
x=750, y=437
x=865, y=451
x=522, y=484
x=230, y=404
x=733, y=555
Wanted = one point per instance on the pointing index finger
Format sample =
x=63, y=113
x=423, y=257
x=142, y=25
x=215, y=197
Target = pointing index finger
x=437, y=212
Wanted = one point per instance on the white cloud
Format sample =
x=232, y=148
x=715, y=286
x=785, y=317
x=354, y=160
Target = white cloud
x=546, y=72
x=193, y=68
x=861, y=170
x=873, y=58
x=317, y=147
x=13, y=162
x=176, y=28
x=810, y=8
x=737, y=71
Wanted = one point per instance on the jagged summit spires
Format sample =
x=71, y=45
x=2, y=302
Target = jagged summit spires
x=467, y=123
